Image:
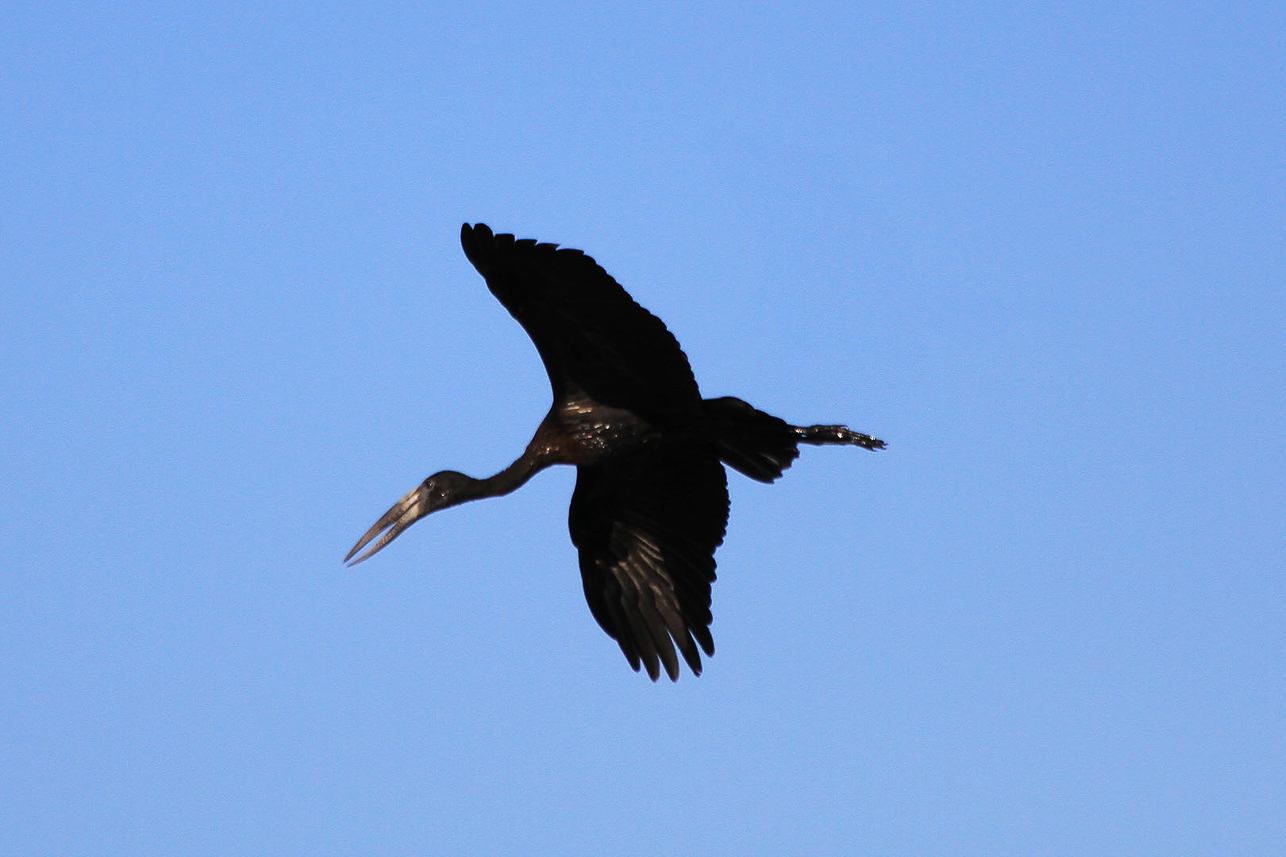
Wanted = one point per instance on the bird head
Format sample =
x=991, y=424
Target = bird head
x=443, y=489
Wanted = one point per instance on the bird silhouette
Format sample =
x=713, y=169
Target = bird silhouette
x=651, y=499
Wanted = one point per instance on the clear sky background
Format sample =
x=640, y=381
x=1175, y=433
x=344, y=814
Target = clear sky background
x=1040, y=251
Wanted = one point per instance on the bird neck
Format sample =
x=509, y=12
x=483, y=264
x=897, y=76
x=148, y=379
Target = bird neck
x=510, y=479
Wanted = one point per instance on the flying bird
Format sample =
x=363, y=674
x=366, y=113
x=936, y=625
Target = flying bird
x=651, y=499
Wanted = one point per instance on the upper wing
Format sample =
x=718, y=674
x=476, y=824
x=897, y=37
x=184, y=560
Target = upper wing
x=590, y=334
x=646, y=525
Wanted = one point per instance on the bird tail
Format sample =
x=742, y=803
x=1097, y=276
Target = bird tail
x=757, y=444
x=762, y=446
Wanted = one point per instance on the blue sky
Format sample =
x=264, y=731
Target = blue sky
x=1038, y=250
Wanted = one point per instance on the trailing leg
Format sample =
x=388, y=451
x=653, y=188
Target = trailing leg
x=837, y=434
x=762, y=446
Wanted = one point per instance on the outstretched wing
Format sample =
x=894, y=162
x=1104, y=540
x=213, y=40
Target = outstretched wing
x=647, y=524
x=590, y=333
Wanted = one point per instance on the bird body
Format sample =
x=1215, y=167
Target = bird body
x=651, y=501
